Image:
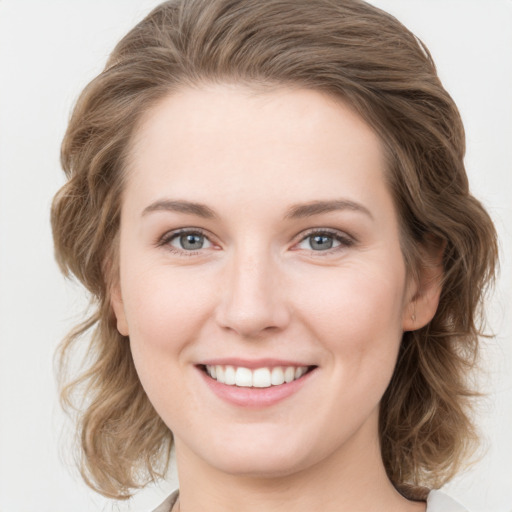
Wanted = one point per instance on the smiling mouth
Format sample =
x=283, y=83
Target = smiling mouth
x=265, y=377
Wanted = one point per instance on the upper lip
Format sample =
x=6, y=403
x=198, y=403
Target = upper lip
x=251, y=363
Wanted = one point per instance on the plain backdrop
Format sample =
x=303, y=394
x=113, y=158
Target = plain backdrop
x=49, y=50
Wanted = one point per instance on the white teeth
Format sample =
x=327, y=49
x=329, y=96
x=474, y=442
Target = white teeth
x=243, y=377
x=220, y=374
x=229, y=376
x=258, y=378
x=261, y=378
x=289, y=374
x=277, y=376
x=300, y=371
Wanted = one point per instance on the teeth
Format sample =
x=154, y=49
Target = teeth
x=229, y=376
x=219, y=370
x=243, y=377
x=289, y=374
x=261, y=378
x=258, y=378
x=277, y=376
x=300, y=371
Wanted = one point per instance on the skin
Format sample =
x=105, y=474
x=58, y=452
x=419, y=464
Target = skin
x=258, y=288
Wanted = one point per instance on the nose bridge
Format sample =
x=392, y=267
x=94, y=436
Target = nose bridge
x=252, y=300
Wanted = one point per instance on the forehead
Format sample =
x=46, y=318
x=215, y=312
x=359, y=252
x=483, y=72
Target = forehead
x=235, y=140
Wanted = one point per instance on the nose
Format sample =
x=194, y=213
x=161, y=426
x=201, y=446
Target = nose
x=252, y=299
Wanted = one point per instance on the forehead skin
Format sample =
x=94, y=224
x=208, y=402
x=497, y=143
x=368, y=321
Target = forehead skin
x=175, y=135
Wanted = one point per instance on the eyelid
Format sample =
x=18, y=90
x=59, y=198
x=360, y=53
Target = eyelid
x=344, y=238
x=326, y=231
x=166, y=238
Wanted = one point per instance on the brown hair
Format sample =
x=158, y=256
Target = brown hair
x=352, y=51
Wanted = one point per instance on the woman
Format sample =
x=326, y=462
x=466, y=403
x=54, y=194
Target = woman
x=268, y=202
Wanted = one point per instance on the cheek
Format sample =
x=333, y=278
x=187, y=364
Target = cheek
x=165, y=311
x=164, y=307
x=352, y=299
x=356, y=313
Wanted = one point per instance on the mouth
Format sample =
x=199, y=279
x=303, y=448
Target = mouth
x=263, y=377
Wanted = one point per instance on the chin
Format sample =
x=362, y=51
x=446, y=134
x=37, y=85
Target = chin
x=270, y=459
x=244, y=465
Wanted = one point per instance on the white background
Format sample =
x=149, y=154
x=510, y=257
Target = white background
x=48, y=51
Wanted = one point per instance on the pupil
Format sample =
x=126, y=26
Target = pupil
x=321, y=242
x=191, y=241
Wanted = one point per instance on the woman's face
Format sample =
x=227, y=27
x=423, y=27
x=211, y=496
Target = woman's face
x=259, y=241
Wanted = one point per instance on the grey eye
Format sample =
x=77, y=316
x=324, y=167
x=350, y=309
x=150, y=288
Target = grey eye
x=190, y=241
x=319, y=242
x=325, y=241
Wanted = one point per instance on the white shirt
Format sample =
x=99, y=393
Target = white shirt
x=436, y=502
x=440, y=502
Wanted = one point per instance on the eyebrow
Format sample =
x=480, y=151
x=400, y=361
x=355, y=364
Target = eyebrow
x=297, y=211
x=198, y=209
x=300, y=211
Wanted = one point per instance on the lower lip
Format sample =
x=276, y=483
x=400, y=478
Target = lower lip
x=255, y=397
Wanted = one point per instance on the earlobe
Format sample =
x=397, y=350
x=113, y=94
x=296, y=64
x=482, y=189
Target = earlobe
x=425, y=293
x=118, y=307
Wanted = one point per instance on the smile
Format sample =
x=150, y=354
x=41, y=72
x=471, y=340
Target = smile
x=264, y=377
x=255, y=384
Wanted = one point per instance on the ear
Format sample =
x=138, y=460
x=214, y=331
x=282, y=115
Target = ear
x=425, y=287
x=116, y=300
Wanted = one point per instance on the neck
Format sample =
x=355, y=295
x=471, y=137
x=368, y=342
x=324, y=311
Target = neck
x=351, y=479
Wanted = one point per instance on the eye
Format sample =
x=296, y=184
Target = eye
x=186, y=241
x=325, y=241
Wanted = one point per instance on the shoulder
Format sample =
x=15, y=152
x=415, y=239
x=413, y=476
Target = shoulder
x=167, y=505
x=440, y=502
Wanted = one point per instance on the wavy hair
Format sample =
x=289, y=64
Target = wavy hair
x=354, y=52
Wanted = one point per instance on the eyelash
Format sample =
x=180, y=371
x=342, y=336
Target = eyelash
x=166, y=240
x=345, y=241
